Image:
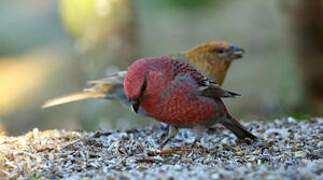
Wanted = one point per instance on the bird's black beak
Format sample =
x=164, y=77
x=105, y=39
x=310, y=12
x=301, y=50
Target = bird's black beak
x=135, y=104
x=236, y=52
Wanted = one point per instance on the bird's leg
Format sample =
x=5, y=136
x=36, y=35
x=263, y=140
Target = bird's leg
x=198, y=131
x=172, y=131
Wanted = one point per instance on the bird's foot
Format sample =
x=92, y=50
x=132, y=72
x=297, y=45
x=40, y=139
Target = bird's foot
x=248, y=141
x=196, y=143
x=172, y=131
x=164, y=143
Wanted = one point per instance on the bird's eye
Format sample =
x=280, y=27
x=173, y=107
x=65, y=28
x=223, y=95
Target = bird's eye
x=219, y=51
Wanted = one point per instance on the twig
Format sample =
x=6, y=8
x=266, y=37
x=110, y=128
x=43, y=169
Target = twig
x=168, y=151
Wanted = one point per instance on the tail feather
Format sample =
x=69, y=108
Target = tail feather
x=73, y=97
x=113, y=79
x=238, y=129
x=109, y=87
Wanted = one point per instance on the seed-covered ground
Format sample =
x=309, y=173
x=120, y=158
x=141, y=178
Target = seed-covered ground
x=289, y=150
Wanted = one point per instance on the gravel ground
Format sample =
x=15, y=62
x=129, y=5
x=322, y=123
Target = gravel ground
x=290, y=150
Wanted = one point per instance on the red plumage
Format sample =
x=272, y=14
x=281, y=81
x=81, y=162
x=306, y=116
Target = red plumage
x=176, y=93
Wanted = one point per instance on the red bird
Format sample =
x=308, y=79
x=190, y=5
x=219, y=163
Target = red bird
x=176, y=93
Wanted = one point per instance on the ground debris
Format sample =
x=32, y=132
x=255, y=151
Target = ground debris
x=287, y=149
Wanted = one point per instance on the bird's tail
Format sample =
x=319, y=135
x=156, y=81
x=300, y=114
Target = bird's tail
x=109, y=87
x=73, y=97
x=241, y=132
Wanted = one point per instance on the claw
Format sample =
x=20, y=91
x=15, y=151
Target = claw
x=172, y=131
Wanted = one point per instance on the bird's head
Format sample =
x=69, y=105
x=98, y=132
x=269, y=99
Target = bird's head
x=214, y=58
x=135, y=84
x=219, y=50
x=144, y=78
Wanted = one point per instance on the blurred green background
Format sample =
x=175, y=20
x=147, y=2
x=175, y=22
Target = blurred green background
x=49, y=48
